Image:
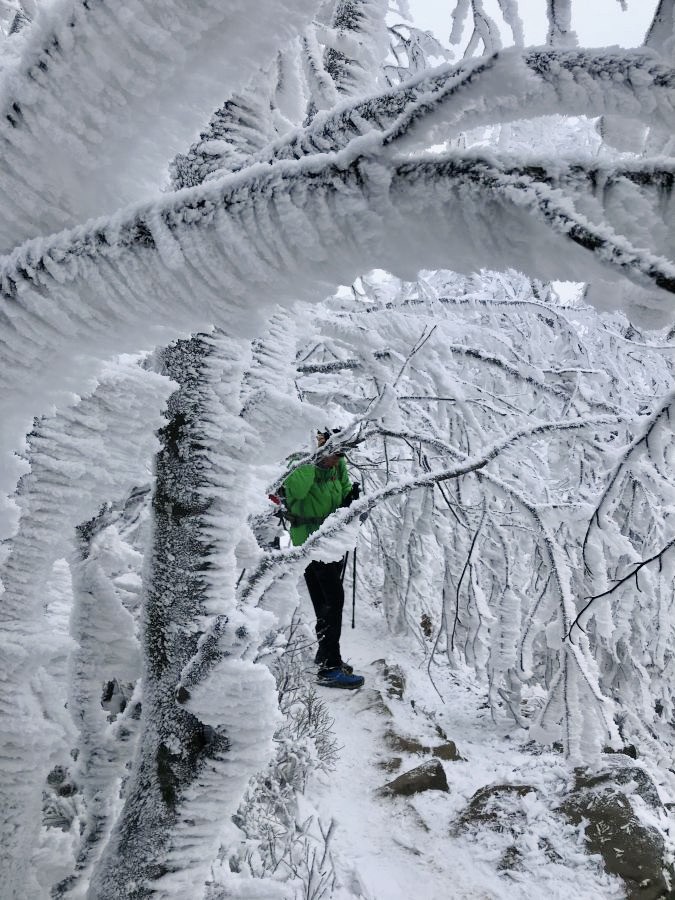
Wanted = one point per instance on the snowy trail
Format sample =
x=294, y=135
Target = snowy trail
x=403, y=848
x=378, y=846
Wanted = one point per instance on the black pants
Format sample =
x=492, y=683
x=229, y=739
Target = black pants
x=328, y=599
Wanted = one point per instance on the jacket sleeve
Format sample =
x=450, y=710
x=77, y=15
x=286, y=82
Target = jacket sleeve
x=298, y=483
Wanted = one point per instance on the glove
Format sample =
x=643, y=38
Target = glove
x=355, y=492
x=353, y=495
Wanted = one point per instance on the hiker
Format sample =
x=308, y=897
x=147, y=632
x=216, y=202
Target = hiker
x=312, y=492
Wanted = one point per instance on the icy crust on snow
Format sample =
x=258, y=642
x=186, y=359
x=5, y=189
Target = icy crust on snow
x=81, y=104
x=102, y=440
x=217, y=253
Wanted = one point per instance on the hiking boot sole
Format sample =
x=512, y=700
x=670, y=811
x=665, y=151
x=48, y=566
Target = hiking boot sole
x=342, y=687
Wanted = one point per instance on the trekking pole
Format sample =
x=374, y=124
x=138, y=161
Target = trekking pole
x=354, y=590
x=344, y=567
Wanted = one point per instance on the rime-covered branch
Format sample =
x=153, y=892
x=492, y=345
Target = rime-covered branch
x=560, y=32
x=661, y=33
x=619, y=582
x=81, y=102
x=338, y=522
x=220, y=216
x=661, y=415
x=493, y=88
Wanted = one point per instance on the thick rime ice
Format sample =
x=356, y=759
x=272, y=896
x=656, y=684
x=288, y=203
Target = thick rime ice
x=224, y=234
x=442, y=103
x=105, y=570
x=488, y=612
x=209, y=711
x=101, y=443
x=207, y=238
x=515, y=454
x=80, y=128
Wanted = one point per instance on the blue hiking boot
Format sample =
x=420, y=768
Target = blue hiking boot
x=338, y=678
x=349, y=670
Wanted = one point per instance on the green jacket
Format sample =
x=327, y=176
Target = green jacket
x=312, y=494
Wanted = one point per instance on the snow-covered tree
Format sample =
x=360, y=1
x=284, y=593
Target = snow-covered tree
x=524, y=446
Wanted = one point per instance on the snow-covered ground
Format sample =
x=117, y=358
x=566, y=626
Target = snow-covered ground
x=400, y=848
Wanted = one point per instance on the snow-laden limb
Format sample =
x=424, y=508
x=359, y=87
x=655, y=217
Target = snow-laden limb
x=619, y=582
x=560, y=32
x=199, y=252
x=356, y=45
x=80, y=127
x=509, y=10
x=485, y=29
x=523, y=373
x=552, y=207
x=101, y=444
x=327, y=129
x=633, y=197
x=497, y=88
x=661, y=417
x=249, y=121
x=440, y=104
x=335, y=535
x=661, y=33
x=458, y=17
x=320, y=86
x=244, y=125
x=411, y=48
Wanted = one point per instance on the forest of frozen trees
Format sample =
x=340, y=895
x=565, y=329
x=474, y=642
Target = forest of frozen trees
x=227, y=224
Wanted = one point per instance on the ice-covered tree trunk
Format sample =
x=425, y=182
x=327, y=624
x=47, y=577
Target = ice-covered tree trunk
x=174, y=743
x=208, y=710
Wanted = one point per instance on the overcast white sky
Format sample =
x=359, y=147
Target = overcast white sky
x=598, y=23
